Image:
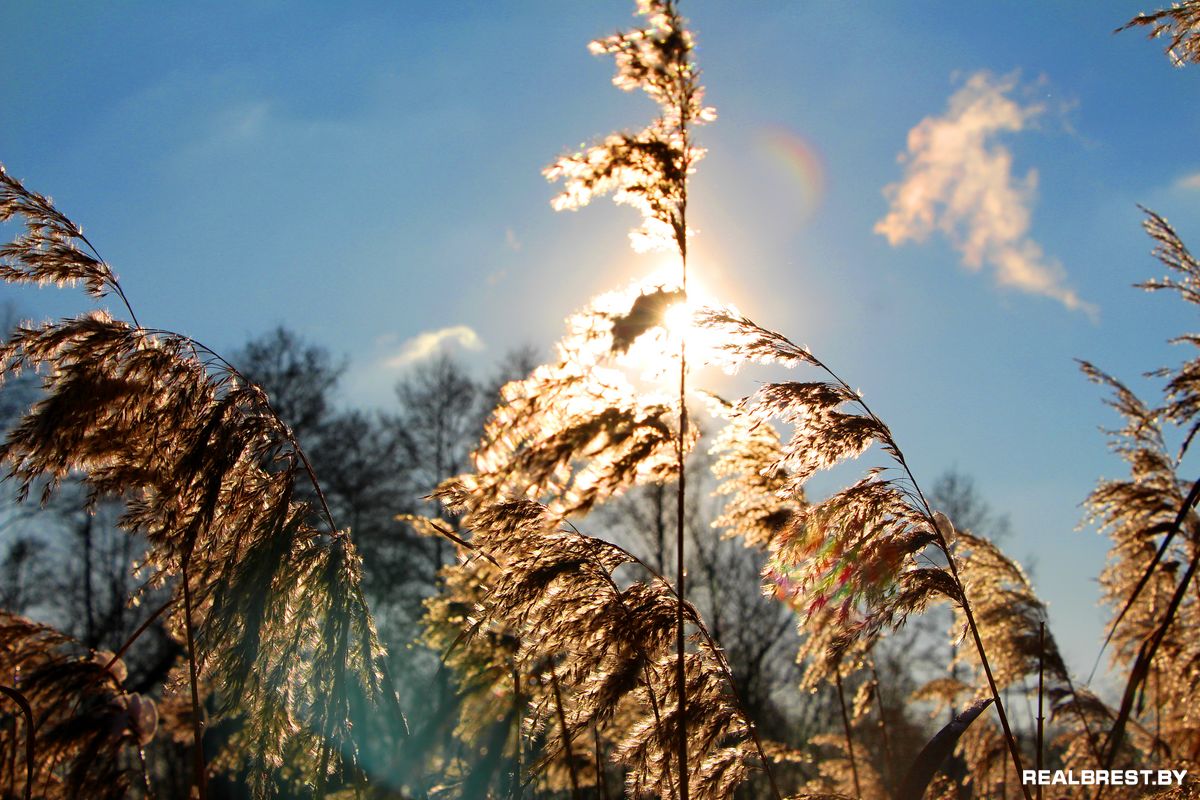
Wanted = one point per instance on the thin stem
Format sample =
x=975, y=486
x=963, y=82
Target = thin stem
x=1157, y=705
x=1188, y=503
x=658, y=725
x=141, y=752
x=846, y=726
x=141, y=629
x=282, y=427
x=193, y=672
x=116, y=286
x=680, y=575
x=19, y=699
x=393, y=699
x=680, y=572
x=1041, y=689
x=566, y=734
x=1087, y=729
x=1004, y=779
x=718, y=655
x=601, y=780
x=987, y=667
x=1141, y=667
x=647, y=676
x=518, y=714
x=883, y=728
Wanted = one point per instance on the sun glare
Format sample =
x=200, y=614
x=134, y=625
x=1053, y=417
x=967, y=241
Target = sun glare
x=656, y=352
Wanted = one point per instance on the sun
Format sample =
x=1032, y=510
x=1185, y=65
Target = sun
x=656, y=352
x=679, y=320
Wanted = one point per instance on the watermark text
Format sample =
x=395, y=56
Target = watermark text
x=1103, y=777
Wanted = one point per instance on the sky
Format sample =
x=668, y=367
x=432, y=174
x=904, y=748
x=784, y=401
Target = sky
x=940, y=200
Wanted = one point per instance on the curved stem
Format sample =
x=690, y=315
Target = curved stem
x=566, y=734
x=141, y=629
x=601, y=781
x=282, y=427
x=1185, y=507
x=846, y=728
x=983, y=659
x=616, y=590
x=883, y=728
x=27, y=712
x=193, y=674
x=232, y=370
x=116, y=286
x=1145, y=659
x=944, y=546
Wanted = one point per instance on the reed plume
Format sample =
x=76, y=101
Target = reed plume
x=606, y=650
x=267, y=591
x=855, y=563
x=1181, y=22
x=90, y=729
x=1150, y=518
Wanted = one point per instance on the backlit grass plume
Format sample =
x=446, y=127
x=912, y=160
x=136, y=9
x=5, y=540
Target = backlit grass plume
x=579, y=430
x=482, y=662
x=1008, y=612
x=855, y=563
x=1150, y=518
x=578, y=409
x=758, y=501
x=648, y=169
x=1180, y=22
x=267, y=588
x=606, y=651
x=858, y=548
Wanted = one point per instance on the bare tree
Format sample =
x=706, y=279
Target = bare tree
x=955, y=494
x=298, y=377
x=438, y=418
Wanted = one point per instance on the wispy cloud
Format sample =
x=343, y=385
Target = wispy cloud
x=511, y=240
x=429, y=343
x=1189, y=181
x=958, y=181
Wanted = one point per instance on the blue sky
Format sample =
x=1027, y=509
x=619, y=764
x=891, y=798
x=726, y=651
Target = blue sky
x=370, y=173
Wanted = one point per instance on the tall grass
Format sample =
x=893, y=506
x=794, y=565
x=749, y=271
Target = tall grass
x=266, y=588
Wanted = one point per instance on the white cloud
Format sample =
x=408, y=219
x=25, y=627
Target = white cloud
x=429, y=343
x=959, y=182
x=1189, y=181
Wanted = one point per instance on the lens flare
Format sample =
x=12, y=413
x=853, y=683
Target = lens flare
x=800, y=160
